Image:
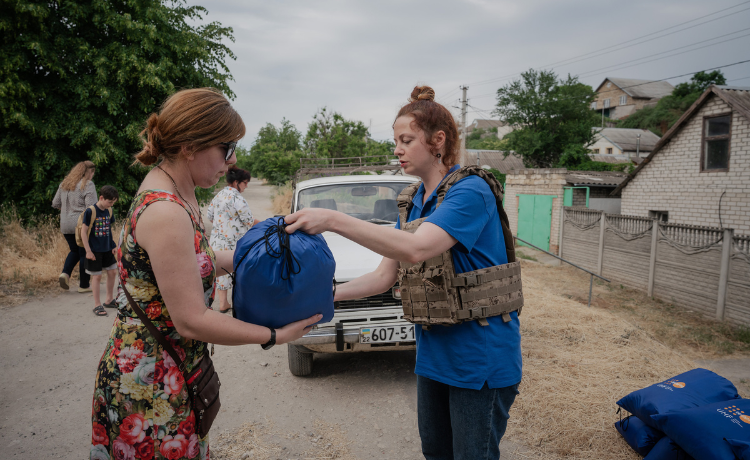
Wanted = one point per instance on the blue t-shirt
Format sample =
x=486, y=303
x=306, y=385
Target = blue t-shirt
x=100, y=238
x=467, y=355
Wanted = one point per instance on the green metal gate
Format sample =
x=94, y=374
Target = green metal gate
x=535, y=219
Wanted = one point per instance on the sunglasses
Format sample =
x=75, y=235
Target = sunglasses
x=230, y=149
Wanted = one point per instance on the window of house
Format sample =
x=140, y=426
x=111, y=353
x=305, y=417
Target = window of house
x=606, y=103
x=715, y=149
x=593, y=105
x=661, y=216
x=623, y=100
x=596, y=151
x=609, y=150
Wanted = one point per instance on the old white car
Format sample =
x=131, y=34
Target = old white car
x=372, y=323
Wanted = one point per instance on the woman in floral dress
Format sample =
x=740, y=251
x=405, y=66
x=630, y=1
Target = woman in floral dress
x=231, y=218
x=141, y=409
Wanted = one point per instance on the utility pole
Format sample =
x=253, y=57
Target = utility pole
x=463, y=117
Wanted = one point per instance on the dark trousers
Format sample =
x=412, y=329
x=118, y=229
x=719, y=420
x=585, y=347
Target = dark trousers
x=77, y=255
x=461, y=424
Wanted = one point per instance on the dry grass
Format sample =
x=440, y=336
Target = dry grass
x=31, y=257
x=689, y=332
x=281, y=199
x=578, y=362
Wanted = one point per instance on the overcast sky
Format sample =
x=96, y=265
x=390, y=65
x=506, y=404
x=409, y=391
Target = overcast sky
x=362, y=58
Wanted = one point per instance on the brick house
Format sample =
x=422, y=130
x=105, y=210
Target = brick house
x=618, y=98
x=699, y=172
x=620, y=145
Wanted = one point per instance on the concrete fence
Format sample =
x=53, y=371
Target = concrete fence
x=706, y=269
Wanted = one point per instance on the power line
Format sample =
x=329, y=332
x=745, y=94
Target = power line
x=739, y=79
x=593, y=54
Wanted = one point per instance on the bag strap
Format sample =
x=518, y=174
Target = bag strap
x=155, y=332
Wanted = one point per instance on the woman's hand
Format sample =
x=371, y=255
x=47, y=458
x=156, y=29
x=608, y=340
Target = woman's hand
x=311, y=220
x=293, y=331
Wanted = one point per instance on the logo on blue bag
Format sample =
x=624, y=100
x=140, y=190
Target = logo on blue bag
x=734, y=413
x=671, y=383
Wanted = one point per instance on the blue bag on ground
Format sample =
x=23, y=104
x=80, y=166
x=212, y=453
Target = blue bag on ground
x=700, y=431
x=666, y=449
x=690, y=389
x=641, y=437
x=741, y=449
x=281, y=278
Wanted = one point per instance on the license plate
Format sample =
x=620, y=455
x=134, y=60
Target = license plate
x=387, y=334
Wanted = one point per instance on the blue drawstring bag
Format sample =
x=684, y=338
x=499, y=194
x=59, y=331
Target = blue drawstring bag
x=281, y=278
x=741, y=449
x=641, y=437
x=666, y=449
x=690, y=389
x=700, y=431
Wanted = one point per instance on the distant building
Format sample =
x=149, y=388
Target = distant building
x=699, y=172
x=494, y=159
x=502, y=128
x=622, y=145
x=619, y=98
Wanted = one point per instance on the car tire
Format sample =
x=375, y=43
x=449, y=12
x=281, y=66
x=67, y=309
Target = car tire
x=300, y=363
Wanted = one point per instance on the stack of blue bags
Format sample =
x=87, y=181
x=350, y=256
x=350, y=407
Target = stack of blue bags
x=694, y=415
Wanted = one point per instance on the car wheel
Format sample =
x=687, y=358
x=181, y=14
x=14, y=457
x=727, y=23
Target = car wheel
x=300, y=363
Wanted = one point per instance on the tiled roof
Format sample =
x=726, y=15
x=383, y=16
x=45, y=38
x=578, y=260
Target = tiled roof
x=595, y=178
x=627, y=139
x=495, y=159
x=644, y=89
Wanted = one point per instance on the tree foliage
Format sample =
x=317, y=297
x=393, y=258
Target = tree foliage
x=552, y=117
x=276, y=151
x=79, y=78
x=481, y=139
x=670, y=108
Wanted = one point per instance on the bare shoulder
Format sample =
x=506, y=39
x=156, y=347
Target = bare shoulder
x=164, y=224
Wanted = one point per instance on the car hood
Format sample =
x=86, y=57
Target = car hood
x=352, y=260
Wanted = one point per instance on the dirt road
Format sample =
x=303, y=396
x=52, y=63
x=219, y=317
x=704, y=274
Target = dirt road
x=353, y=406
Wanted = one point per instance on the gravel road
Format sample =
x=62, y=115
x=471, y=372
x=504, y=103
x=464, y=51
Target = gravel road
x=358, y=405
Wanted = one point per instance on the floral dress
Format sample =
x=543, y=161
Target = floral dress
x=231, y=218
x=141, y=408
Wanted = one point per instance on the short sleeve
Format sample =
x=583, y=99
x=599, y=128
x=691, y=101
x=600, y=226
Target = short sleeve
x=465, y=210
x=87, y=216
x=57, y=200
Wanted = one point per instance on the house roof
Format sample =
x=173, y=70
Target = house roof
x=626, y=139
x=595, y=178
x=496, y=159
x=738, y=98
x=486, y=124
x=642, y=89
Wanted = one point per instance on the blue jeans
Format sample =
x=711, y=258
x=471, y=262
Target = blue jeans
x=77, y=255
x=461, y=424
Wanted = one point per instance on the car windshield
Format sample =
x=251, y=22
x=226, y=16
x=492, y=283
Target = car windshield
x=372, y=201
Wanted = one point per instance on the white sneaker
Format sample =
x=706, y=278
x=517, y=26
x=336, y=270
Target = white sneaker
x=64, y=280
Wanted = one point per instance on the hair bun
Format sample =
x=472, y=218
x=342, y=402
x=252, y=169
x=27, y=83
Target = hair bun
x=422, y=93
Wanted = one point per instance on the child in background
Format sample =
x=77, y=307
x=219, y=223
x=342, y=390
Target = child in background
x=100, y=248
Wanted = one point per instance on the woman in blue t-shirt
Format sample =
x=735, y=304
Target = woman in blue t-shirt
x=467, y=374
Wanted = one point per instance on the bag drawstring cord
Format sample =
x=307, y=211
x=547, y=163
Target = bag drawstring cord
x=290, y=264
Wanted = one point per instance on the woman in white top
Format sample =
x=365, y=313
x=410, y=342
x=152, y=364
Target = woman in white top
x=231, y=218
x=76, y=193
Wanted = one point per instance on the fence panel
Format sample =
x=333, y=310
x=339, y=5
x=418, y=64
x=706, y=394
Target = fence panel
x=688, y=262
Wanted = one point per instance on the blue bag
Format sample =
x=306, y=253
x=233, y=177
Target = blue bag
x=281, y=278
x=690, y=389
x=638, y=435
x=700, y=431
x=741, y=449
x=666, y=449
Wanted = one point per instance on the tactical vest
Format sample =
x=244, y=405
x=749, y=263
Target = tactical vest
x=432, y=292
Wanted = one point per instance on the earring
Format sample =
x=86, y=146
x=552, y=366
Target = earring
x=438, y=157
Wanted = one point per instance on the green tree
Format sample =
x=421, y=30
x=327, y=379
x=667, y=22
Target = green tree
x=670, y=108
x=552, y=117
x=275, y=153
x=330, y=135
x=79, y=78
x=489, y=142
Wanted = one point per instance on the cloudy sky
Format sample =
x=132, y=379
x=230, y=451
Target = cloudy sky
x=362, y=58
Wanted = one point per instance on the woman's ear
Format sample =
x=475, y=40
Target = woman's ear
x=187, y=152
x=438, y=140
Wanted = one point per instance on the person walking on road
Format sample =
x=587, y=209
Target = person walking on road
x=231, y=218
x=141, y=404
x=76, y=193
x=100, y=247
x=467, y=373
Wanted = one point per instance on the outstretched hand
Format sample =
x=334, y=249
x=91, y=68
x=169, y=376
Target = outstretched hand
x=310, y=220
x=294, y=331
